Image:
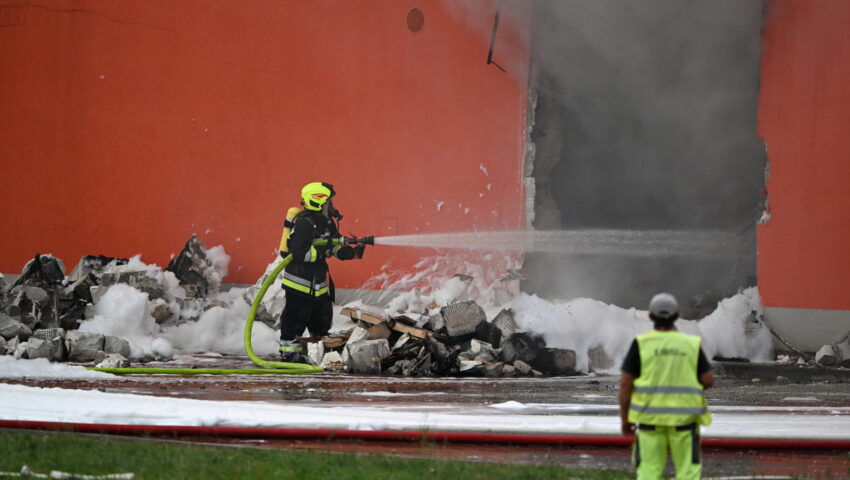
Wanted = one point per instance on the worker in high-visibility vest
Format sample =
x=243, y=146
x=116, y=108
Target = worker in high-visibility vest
x=306, y=280
x=662, y=403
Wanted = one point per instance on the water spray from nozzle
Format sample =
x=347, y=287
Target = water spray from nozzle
x=621, y=242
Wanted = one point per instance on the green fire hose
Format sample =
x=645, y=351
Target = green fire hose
x=269, y=367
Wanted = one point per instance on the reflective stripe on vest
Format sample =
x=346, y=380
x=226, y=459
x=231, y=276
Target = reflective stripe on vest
x=667, y=392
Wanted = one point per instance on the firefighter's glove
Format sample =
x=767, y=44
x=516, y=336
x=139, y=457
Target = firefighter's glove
x=346, y=253
x=359, y=250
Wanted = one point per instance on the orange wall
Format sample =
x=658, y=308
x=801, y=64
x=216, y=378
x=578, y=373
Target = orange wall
x=127, y=126
x=804, y=117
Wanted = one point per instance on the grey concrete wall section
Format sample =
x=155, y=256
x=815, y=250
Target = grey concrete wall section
x=808, y=329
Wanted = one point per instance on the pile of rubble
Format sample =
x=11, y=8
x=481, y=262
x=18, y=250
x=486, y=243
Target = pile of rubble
x=41, y=311
x=416, y=335
x=454, y=340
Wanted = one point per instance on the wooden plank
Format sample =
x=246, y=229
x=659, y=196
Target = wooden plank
x=368, y=317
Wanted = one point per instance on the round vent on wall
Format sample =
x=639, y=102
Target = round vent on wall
x=415, y=19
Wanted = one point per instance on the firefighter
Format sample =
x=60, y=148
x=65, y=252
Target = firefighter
x=661, y=395
x=306, y=280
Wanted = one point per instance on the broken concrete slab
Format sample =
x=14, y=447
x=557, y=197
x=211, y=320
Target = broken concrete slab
x=36, y=295
x=140, y=279
x=316, y=352
x=494, y=369
x=462, y=319
x=332, y=361
x=42, y=270
x=556, y=361
x=55, y=338
x=116, y=345
x=94, y=265
x=826, y=356
x=83, y=346
x=505, y=322
x=521, y=346
x=522, y=367
x=37, y=348
x=366, y=356
x=191, y=267
x=11, y=327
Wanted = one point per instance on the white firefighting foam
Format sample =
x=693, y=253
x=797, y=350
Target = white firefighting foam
x=579, y=324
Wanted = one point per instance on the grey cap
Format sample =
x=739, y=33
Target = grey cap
x=664, y=306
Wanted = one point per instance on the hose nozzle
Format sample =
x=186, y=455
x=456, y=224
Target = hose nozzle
x=354, y=240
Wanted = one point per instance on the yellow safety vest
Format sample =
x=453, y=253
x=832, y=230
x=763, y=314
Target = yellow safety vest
x=667, y=392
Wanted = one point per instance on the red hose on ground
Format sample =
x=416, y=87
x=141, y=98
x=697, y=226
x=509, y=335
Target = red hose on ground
x=410, y=436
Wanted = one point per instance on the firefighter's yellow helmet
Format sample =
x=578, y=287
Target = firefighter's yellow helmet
x=316, y=194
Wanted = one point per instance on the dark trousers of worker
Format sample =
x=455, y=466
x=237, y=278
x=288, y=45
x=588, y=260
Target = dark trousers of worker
x=303, y=311
x=652, y=443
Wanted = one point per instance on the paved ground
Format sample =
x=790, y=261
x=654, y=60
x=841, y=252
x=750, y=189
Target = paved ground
x=738, y=385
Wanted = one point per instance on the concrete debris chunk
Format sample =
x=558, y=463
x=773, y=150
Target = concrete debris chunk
x=139, y=279
x=462, y=319
x=37, y=348
x=83, y=346
x=359, y=334
x=42, y=270
x=11, y=346
x=522, y=367
x=161, y=311
x=436, y=322
x=468, y=365
x=826, y=356
x=11, y=328
x=365, y=356
x=332, y=361
x=505, y=322
x=495, y=369
x=556, y=361
x=116, y=345
x=191, y=267
x=55, y=339
x=521, y=346
x=94, y=265
x=316, y=352
x=111, y=360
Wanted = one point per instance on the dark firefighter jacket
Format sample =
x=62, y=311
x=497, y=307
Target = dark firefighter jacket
x=308, y=271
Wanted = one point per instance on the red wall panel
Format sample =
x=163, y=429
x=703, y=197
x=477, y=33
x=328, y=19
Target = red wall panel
x=804, y=116
x=127, y=126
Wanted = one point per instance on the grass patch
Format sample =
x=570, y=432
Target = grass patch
x=98, y=455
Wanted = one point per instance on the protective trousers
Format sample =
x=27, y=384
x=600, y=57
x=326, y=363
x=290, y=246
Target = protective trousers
x=303, y=311
x=649, y=452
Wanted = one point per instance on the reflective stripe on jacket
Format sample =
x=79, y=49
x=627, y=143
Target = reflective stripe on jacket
x=668, y=392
